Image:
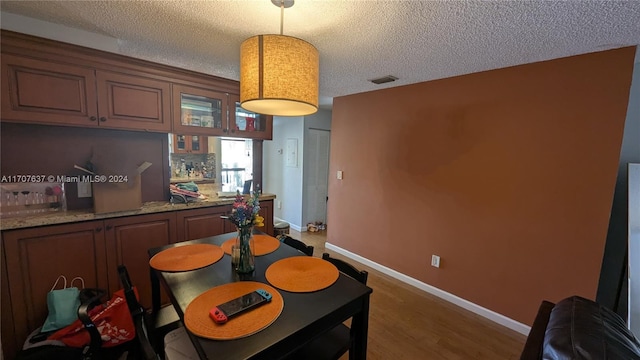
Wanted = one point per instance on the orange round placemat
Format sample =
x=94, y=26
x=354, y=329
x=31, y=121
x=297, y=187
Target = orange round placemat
x=301, y=274
x=187, y=257
x=197, y=320
x=263, y=245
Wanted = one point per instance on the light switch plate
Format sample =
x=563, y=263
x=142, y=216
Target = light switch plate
x=435, y=261
x=339, y=175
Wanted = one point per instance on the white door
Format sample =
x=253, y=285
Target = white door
x=634, y=248
x=317, y=180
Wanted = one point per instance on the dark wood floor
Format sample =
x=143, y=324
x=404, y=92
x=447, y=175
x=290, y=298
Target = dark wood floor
x=407, y=323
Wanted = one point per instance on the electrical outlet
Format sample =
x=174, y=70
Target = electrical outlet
x=84, y=189
x=435, y=261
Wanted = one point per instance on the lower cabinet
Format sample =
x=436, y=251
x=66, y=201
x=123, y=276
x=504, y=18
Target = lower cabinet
x=127, y=242
x=92, y=250
x=266, y=211
x=34, y=260
x=31, y=259
x=9, y=347
x=203, y=222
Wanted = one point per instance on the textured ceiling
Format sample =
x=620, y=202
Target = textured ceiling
x=357, y=40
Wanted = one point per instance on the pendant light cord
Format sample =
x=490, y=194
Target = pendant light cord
x=281, y=15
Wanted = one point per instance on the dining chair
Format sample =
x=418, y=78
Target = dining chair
x=144, y=348
x=297, y=244
x=337, y=341
x=246, y=188
x=163, y=319
x=347, y=269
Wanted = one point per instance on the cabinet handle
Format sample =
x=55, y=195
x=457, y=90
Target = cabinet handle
x=92, y=118
x=98, y=229
x=109, y=227
x=103, y=119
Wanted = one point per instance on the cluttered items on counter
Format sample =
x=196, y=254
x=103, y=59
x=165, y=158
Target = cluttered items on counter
x=185, y=192
x=28, y=199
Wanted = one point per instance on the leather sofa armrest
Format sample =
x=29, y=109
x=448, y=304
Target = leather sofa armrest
x=533, y=346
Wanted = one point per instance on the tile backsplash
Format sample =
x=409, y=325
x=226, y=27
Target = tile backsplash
x=197, y=166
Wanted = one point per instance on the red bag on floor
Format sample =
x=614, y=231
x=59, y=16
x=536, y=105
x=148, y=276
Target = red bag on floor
x=112, y=319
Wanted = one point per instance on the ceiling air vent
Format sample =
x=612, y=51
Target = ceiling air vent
x=384, y=79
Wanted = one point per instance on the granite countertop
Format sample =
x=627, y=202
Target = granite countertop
x=72, y=216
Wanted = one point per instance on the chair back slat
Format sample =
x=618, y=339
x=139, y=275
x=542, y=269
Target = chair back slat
x=297, y=244
x=347, y=269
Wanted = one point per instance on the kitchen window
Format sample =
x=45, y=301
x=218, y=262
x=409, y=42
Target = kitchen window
x=237, y=163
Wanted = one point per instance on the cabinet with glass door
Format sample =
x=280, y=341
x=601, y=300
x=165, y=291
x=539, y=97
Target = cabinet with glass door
x=246, y=124
x=190, y=144
x=199, y=111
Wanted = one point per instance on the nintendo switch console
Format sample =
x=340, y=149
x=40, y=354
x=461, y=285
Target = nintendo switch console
x=223, y=312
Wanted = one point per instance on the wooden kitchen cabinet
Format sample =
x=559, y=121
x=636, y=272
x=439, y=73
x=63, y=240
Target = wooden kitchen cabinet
x=190, y=144
x=50, y=82
x=44, y=92
x=133, y=102
x=266, y=211
x=198, y=111
x=9, y=345
x=36, y=257
x=246, y=124
x=31, y=259
x=206, y=112
x=204, y=222
x=127, y=241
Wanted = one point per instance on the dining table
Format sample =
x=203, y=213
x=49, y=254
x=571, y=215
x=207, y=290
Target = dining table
x=304, y=315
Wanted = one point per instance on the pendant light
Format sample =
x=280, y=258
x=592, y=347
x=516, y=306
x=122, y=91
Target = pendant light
x=278, y=73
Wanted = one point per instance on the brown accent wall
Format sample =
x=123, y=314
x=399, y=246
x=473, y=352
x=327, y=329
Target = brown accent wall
x=508, y=175
x=53, y=150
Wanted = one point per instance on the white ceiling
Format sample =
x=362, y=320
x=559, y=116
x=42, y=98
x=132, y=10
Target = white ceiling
x=357, y=40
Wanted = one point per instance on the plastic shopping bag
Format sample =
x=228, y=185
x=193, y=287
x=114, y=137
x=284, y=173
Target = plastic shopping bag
x=112, y=319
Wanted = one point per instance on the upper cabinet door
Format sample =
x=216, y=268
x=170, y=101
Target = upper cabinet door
x=246, y=124
x=198, y=111
x=47, y=92
x=190, y=144
x=133, y=102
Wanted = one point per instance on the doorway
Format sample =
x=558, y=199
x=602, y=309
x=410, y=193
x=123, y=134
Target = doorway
x=317, y=176
x=634, y=248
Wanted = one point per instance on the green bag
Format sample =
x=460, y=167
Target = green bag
x=63, y=305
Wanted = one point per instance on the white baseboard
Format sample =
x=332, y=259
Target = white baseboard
x=465, y=304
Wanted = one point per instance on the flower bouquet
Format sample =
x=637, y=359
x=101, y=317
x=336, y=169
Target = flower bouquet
x=244, y=216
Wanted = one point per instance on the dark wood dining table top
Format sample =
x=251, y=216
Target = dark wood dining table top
x=304, y=316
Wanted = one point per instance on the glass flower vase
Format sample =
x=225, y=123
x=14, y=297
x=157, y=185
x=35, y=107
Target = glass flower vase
x=244, y=244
